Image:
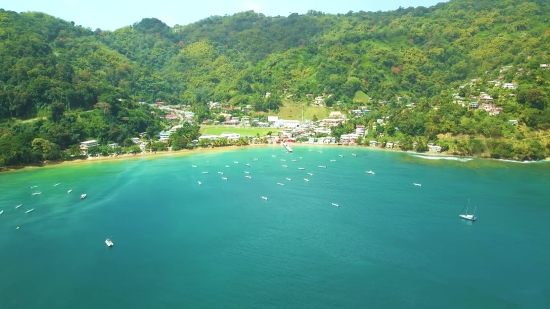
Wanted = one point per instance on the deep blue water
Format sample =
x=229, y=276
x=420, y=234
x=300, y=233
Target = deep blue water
x=179, y=244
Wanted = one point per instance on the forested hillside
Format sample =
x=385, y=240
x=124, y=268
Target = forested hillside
x=65, y=74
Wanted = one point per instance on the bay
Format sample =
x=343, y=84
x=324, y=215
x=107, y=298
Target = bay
x=389, y=244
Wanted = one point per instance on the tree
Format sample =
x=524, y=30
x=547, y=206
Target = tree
x=105, y=107
x=45, y=149
x=56, y=111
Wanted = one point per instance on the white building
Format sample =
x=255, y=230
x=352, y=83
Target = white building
x=281, y=123
x=87, y=144
x=230, y=136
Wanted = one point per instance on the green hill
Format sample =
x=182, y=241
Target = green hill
x=385, y=61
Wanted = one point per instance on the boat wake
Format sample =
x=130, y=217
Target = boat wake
x=445, y=158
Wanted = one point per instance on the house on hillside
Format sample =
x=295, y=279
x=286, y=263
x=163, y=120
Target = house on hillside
x=336, y=114
x=510, y=86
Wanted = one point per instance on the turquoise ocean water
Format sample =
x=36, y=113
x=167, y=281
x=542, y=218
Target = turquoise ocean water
x=179, y=244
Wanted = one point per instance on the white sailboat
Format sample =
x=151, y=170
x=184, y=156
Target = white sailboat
x=1, y=212
x=335, y=205
x=264, y=198
x=289, y=179
x=71, y=190
x=224, y=178
x=464, y=214
x=82, y=196
x=417, y=184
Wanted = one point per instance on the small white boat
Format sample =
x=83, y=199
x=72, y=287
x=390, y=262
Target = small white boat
x=287, y=147
x=255, y=159
x=289, y=179
x=280, y=184
x=293, y=160
x=307, y=180
x=310, y=174
x=336, y=205
x=37, y=193
x=283, y=160
x=247, y=176
x=322, y=166
x=247, y=164
x=417, y=184
x=284, y=166
x=30, y=210
x=311, y=150
x=341, y=156
x=109, y=242
x=200, y=183
x=464, y=213
x=354, y=155
x=82, y=196
x=301, y=168
x=227, y=166
x=194, y=166
x=264, y=198
x=18, y=206
x=57, y=184
x=332, y=160
x=33, y=187
x=1, y=212
x=221, y=173
x=246, y=172
x=370, y=172
x=224, y=178
x=235, y=162
x=206, y=172
x=71, y=190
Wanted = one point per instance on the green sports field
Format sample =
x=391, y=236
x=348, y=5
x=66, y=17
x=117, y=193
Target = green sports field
x=217, y=130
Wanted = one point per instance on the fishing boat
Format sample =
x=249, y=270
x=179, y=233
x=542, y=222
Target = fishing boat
x=301, y=168
x=280, y=184
x=287, y=147
x=289, y=179
x=71, y=190
x=336, y=205
x=417, y=184
x=37, y=193
x=109, y=242
x=264, y=198
x=370, y=172
x=30, y=210
x=307, y=180
x=224, y=178
x=322, y=166
x=247, y=176
x=82, y=196
x=464, y=213
x=18, y=206
x=200, y=183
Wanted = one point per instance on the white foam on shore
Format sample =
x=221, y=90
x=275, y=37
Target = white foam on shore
x=445, y=158
x=514, y=161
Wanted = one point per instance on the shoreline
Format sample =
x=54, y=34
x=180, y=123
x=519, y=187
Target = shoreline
x=198, y=150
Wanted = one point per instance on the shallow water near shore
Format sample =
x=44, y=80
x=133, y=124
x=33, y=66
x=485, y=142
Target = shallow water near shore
x=178, y=244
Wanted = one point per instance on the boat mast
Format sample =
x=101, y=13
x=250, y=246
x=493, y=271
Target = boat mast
x=465, y=207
